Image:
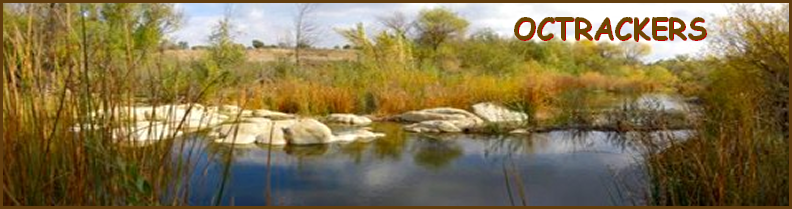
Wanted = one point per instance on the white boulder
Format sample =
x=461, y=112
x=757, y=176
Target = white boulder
x=349, y=119
x=193, y=106
x=192, y=119
x=494, y=113
x=444, y=126
x=275, y=135
x=433, y=126
x=145, y=131
x=361, y=135
x=155, y=113
x=204, y=122
x=308, y=131
x=229, y=108
x=239, y=133
x=272, y=115
x=173, y=113
x=440, y=120
x=254, y=130
x=441, y=113
x=253, y=120
x=282, y=132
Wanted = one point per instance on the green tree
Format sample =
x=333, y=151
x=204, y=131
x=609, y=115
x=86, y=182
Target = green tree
x=436, y=26
x=389, y=50
x=633, y=51
x=183, y=45
x=155, y=20
x=487, y=52
x=223, y=52
x=258, y=44
x=693, y=74
x=556, y=54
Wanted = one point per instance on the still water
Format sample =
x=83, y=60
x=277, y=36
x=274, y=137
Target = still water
x=555, y=168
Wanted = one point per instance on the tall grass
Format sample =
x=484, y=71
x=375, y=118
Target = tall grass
x=61, y=66
x=732, y=158
x=352, y=87
x=739, y=152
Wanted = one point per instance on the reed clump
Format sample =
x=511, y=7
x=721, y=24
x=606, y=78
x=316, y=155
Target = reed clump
x=738, y=154
x=63, y=63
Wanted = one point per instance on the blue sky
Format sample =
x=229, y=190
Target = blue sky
x=272, y=23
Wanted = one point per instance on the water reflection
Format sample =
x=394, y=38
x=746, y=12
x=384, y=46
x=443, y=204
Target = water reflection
x=435, y=154
x=306, y=151
x=392, y=145
x=555, y=168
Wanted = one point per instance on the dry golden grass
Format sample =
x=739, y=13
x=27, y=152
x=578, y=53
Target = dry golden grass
x=389, y=92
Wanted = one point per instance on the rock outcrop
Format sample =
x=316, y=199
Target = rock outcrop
x=348, y=119
x=441, y=113
x=228, y=124
x=311, y=131
x=493, y=113
x=145, y=131
x=308, y=131
x=361, y=135
x=254, y=130
x=273, y=115
x=440, y=120
x=433, y=126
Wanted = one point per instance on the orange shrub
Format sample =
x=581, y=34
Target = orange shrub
x=594, y=80
x=394, y=101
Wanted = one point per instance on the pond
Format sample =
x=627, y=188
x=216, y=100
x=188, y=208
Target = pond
x=554, y=168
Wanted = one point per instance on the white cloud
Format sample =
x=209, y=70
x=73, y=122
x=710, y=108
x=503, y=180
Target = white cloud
x=271, y=22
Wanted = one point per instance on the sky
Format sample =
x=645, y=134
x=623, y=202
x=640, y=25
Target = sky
x=272, y=23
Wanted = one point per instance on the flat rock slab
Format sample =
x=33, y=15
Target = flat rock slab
x=349, y=119
x=441, y=113
x=494, y=113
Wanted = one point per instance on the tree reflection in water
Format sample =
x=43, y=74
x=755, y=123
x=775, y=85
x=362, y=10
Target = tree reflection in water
x=392, y=145
x=435, y=153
